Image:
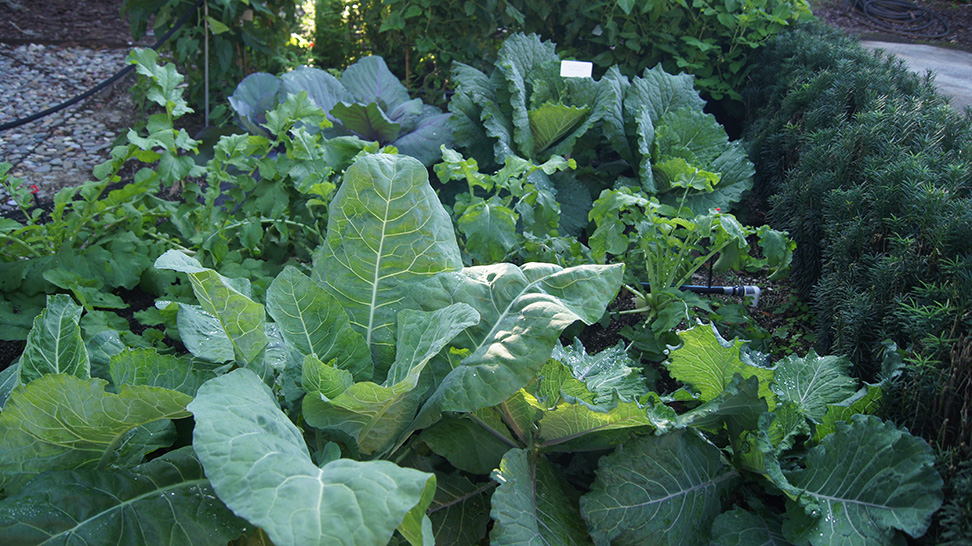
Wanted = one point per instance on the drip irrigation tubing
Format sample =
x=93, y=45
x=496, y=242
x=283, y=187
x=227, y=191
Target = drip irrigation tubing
x=901, y=17
x=118, y=75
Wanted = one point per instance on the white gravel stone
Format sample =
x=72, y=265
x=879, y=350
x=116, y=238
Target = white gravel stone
x=35, y=77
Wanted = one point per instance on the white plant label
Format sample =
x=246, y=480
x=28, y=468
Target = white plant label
x=575, y=69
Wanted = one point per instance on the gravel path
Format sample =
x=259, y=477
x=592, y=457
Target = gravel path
x=61, y=149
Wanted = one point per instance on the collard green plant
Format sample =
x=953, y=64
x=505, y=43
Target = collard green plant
x=367, y=101
x=649, y=131
x=332, y=412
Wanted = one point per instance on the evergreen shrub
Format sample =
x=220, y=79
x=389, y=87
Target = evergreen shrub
x=869, y=170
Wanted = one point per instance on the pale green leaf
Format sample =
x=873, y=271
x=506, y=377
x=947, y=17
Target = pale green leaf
x=708, y=363
x=490, y=230
x=608, y=374
x=54, y=344
x=523, y=311
x=690, y=134
x=259, y=466
x=167, y=501
x=241, y=318
x=533, y=504
x=314, y=323
x=663, y=490
x=550, y=122
x=60, y=422
x=9, y=379
x=813, y=382
x=658, y=92
x=386, y=227
x=202, y=334
x=148, y=367
x=862, y=483
x=567, y=422
x=319, y=378
x=376, y=415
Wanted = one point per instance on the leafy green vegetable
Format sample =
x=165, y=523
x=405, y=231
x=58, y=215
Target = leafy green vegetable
x=460, y=510
x=386, y=228
x=165, y=501
x=312, y=322
x=738, y=527
x=240, y=318
x=813, y=382
x=861, y=483
x=147, y=367
x=375, y=415
x=533, y=504
x=525, y=108
x=523, y=311
x=708, y=363
x=60, y=422
x=259, y=466
x=663, y=490
x=54, y=344
x=367, y=101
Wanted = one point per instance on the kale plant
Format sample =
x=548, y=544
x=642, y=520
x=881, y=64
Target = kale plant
x=367, y=101
x=648, y=131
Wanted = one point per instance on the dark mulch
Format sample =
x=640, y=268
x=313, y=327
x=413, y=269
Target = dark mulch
x=64, y=22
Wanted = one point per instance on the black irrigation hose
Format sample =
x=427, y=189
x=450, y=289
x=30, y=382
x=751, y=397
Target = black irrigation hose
x=118, y=75
x=901, y=17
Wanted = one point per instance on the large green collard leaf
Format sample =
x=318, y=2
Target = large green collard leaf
x=385, y=228
x=201, y=333
x=517, y=58
x=167, y=501
x=523, y=311
x=474, y=443
x=259, y=466
x=474, y=93
x=708, y=363
x=861, y=483
x=376, y=415
x=459, y=510
x=735, y=179
x=313, y=323
x=813, y=382
x=690, y=134
x=54, y=344
x=658, y=93
x=9, y=379
x=570, y=421
x=533, y=504
x=241, y=318
x=490, y=230
x=658, y=490
x=60, y=422
x=369, y=80
x=738, y=527
x=148, y=367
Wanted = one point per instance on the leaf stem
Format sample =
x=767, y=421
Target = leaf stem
x=33, y=251
x=492, y=431
x=463, y=498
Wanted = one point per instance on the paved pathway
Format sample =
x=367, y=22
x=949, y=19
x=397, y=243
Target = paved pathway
x=952, y=67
